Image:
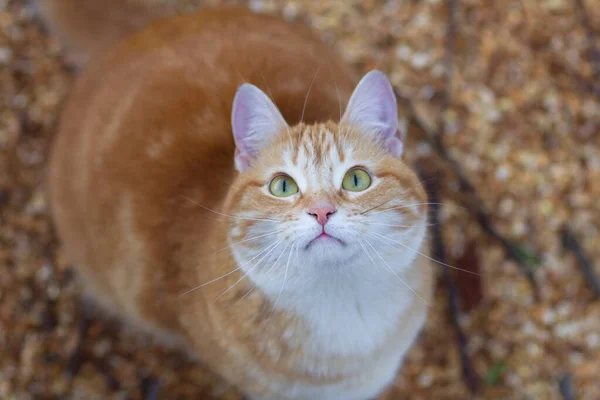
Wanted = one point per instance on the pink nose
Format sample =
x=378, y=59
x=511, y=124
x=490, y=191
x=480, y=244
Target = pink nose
x=321, y=212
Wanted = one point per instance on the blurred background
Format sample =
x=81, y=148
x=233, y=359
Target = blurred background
x=502, y=104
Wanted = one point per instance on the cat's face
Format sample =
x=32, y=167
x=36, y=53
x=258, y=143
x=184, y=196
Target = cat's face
x=328, y=193
x=323, y=197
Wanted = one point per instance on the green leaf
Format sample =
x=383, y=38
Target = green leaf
x=527, y=257
x=495, y=373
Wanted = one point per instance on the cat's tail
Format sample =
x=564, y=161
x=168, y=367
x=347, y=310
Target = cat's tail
x=86, y=27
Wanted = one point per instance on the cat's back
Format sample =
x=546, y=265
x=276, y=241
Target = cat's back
x=147, y=125
x=189, y=67
x=166, y=92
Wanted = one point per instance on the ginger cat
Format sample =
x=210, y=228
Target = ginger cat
x=272, y=235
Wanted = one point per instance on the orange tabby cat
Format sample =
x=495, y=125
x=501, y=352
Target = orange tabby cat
x=276, y=243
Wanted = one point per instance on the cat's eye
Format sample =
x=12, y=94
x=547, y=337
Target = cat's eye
x=283, y=186
x=356, y=180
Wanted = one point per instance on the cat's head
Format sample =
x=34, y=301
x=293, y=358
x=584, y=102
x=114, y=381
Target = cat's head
x=311, y=198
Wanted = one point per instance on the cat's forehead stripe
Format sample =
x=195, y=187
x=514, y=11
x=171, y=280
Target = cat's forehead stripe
x=317, y=157
x=317, y=143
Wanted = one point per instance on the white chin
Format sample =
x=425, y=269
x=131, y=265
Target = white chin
x=329, y=251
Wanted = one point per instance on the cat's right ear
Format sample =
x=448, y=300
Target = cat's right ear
x=255, y=121
x=373, y=108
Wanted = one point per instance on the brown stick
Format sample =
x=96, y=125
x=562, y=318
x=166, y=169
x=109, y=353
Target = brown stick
x=436, y=137
x=76, y=358
x=473, y=203
x=571, y=243
x=566, y=387
x=150, y=388
x=439, y=253
x=594, y=54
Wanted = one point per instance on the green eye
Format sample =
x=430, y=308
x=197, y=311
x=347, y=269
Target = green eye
x=356, y=180
x=283, y=186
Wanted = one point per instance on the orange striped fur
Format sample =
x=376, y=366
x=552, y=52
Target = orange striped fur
x=167, y=233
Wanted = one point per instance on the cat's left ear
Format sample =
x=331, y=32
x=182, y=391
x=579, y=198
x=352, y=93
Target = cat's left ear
x=373, y=108
x=255, y=120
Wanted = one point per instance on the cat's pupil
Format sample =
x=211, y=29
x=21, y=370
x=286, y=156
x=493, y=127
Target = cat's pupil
x=355, y=180
x=284, y=186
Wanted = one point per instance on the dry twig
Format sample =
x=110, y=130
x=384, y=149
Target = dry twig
x=76, y=357
x=150, y=388
x=594, y=54
x=439, y=254
x=570, y=242
x=566, y=387
x=524, y=260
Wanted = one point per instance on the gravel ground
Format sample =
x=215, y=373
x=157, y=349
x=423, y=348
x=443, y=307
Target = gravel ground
x=523, y=122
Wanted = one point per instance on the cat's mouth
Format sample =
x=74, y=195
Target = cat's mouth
x=324, y=237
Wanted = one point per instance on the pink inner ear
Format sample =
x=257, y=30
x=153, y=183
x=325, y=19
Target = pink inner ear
x=373, y=108
x=395, y=145
x=255, y=120
x=239, y=121
x=399, y=135
x=242, y=160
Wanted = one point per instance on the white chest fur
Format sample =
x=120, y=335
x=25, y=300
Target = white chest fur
x=359, y=318
x=352, y=320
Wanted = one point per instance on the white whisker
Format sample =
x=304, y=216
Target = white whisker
x=227, y=215
x=396, y=275
x=339, y=99
x=375, y=207
x=427, y=257
x=228, y=273
x=249, y=239
x=308, y=94
x=368, y=255
x=250, y=270
x=266, y=273
x=287, y=128
x=284, y=279
x=399, y=226
x=421, y=183
x=406, y=206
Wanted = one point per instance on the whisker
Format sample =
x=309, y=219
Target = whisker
x=406, y=190
x=337, y=92
x=249, y=239
x=377, y=206
x=429, y=258
x=399, y=226
x=421, y=183
x=336, y=88
x=273, y=100
x=308, y=94
x=266, y=273
x=227, y=274
x=227, y=215
x=244, y=296
x=284, y=279
x=339, y=99
x=248, y=272
x=411, y=205
x=297, y=250
x=395, y=274
x=368, y=255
